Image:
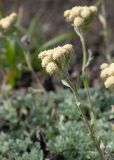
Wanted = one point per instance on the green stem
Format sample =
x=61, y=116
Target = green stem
x=84, y=51
x=92, y=113
x=90, y=129
x=29, y=64
x=28, y=61
x=80, y=33
x=105, y=28
x=82, y=39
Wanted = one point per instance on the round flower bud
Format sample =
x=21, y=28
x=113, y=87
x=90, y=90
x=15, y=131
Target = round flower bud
x=104, y=73
x=50, y=52
x=74, y=13
x=13, y=15
x=112, y=65
x=77, y=10
x=46, y=60
x=78, y=22
x=52, y=68
x=103, y=66
x=4, y=24
x=86, y=13
x=93, y=9
x=42, y=55
x=58, y=53
x=109, y=82
x=71, y=18
x=111, y=70
x=67, y=13
x=68, y=48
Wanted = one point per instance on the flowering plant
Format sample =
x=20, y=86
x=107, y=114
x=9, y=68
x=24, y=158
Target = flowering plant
x=56, y=62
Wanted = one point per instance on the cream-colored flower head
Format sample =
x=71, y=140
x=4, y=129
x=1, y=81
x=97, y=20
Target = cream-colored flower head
x=111, y=69
x=42, y=55
x=109, y=83
x=111, y=65
x=54, y=59
x=85, y=13
x=52, y=68
x=78, y=22
x=79, y=16
x=46, y=60
x=107, y=73
x=67, y=13
x=104, y=70
x=104, y=65
x=58, y=53
x=13, y=14
x=68, y=48
x=93, y=9
x=7, y=22
x=104, y=73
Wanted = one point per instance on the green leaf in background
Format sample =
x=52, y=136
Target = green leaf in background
x=58, y=39
x=19, y=52
x=32, y=26
x=78, y=82
x=10, y=53
x=13, y=76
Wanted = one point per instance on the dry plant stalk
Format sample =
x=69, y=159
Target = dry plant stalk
x=106, y=29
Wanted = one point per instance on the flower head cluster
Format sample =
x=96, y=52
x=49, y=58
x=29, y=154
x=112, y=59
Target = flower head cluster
x=56, y=59
x=80, y=16
x=7, y=22
x=107, y=73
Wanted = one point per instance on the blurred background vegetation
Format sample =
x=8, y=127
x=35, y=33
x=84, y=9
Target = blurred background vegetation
x=36, y=125
x=42, y=26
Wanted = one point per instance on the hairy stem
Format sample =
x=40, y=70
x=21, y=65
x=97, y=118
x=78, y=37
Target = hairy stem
x=84, y=51
x=90, y=129
x=92, y=113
